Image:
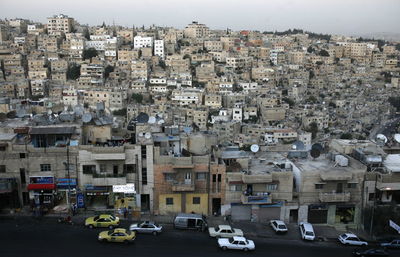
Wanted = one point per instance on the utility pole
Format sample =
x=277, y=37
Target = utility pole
x=68, y=178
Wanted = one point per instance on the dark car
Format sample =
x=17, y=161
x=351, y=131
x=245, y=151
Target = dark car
x=394, y=244
x=370, y=252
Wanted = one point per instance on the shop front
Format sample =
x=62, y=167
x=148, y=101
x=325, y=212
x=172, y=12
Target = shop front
x=9, y=193
x=42, y=191
x=65, y=186
x=98, y=197
x=125, y=200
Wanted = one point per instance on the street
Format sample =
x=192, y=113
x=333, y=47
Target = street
x=25, y=236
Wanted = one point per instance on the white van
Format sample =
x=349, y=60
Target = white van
x=307, y=231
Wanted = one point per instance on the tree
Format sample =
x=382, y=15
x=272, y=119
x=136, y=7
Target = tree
x=120, y=112
x=237, y=88
x=89, y=53
x=323, y=52
x=73, y=71
x=346, y=136
x=313, y=129
x=86, y=33
x=138, y=98
x=108, y=70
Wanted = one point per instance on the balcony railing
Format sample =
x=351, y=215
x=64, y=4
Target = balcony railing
x=334, y=197
x=260, y=198
x=183, y=187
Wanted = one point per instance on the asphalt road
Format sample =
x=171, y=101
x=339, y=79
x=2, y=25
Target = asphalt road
x=42, y=238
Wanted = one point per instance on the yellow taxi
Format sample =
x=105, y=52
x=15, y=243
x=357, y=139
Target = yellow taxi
x=119, y=235
x=102, y=221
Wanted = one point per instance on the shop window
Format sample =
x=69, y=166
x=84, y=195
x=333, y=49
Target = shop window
x=271, y=187
x=319, y=186
x=88, y=169
x=45, y=167
x=196, y=200
x=2, y=168
x=169, y=201
x=22, y=155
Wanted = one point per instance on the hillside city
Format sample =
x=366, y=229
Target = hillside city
x=242, y=125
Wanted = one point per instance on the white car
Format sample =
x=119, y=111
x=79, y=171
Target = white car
x=279, y=226
x=224, y=231
x=351, y=239
x=146, y=227
x=307, y=231
x=237, y=243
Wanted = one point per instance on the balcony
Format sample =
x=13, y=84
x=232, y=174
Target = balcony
x=183, y=187
x=334, y=197
x=260, y=198
x=183, y=162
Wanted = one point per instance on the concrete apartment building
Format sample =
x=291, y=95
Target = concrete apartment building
x=140, y=42
x=159, y=48
x=59, y=23
x=196, y=30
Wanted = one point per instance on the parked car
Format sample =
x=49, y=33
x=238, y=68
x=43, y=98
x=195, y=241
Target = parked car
x=146, y=227
x=351, y=239
x=394, y=244
x=279, y=226
x=307, y=231
x=102, y=221
x=237, y=243
x=119, y=235
x=224, y=231
x=190, y=221
x=370, y=252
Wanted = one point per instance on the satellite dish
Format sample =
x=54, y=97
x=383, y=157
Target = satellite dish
x=87, y=117
x=152, y=120
x=147, y=135
x=317, y=146
x=161, y=121
x=381, y=138
x=254, y=148
x=50, y=112
x=315, y=153
x=141, y=134
x=298, y=145
x=397, y=138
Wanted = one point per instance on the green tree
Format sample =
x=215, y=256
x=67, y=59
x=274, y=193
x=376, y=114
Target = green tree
x=138, y=98
x=73, y=71
x=108, y=70
x=89, y=53
x=323, y=52
x=313, y=129
x=310, y=49
x=120, y=112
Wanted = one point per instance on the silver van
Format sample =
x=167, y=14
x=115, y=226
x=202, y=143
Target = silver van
x=190, y=221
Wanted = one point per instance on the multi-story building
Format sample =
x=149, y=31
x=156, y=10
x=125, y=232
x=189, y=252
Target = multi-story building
x=140, y=42
x=196, y=30
x=59, y=23
x=159, y=48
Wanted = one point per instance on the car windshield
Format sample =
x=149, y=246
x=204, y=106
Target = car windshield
x=96, y=217
x=110, y=232
x=282, y=226
x=231, y=240
x=112, y=217
x=309, y=233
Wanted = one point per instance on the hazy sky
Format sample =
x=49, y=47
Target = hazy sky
x=327, y=16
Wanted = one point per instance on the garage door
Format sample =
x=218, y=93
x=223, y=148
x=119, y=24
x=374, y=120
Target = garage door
x=269, y=213
x=241, y=212
x=317, y=216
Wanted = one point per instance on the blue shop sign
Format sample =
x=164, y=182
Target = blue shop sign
x=80, y=200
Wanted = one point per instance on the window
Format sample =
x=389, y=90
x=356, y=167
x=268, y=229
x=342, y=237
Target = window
x=169, y=201
x=371, y=196
x=2, y=168
x=201, y=175
x=144, y=176
x=88, y=169
x=271, y=187
x=319, y=186
x=196, y=200
x=352, y=185
x=129, y=168
x=22, y=155
x=169, y=176
x=103, y=168
x=22, y=175
x=45, y=167
x=235, y=188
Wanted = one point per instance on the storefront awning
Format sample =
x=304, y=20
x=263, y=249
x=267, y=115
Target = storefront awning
x=41, y=186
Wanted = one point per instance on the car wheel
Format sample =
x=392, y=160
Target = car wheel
x=90, y=226
x=245, y=249
x=154, y=233
x=111, y=227
x=224, y=248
